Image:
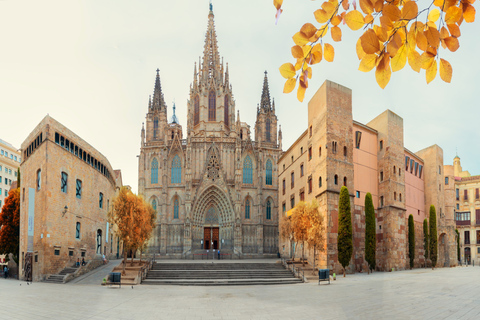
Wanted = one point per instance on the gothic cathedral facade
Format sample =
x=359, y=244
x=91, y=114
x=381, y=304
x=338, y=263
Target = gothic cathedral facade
x=217, y=188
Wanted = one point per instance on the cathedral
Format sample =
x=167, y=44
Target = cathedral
x=216, y=188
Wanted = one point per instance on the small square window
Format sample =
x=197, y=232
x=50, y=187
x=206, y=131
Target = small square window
x=57, y=252
x=83, y=254
x=357, y=193
x=70, y=253
x=36, y=258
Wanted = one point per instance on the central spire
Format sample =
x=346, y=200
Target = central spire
x=211, y=57
x=158, y=100
x=265, y=104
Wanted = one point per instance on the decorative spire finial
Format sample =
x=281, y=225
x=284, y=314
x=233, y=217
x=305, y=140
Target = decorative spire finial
x=211, y=6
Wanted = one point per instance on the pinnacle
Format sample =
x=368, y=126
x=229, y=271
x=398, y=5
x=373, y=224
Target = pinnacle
x=265, y=100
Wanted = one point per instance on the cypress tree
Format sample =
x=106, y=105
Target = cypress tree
x=458, y=245
x=344, y=239
x=370, y=232
x=425, y=240
x=411, y=240
x=433, y=236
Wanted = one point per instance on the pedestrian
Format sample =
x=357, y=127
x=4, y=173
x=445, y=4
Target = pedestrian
x=104, y=259
x=78, y=262
x=83, y=262
x=5, y=272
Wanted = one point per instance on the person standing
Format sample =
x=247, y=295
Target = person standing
x=5, y=272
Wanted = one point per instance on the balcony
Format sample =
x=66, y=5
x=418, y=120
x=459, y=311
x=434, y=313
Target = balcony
x=463, y=223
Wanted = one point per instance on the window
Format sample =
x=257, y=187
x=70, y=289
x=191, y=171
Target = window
x=344, y=181
x=394, y=170
x=212, y=109
x=335, y=180
x=381, y=176
x=155, y=127
x=39, y=179
x=175, y=209
x=284, y=208
x=99, y=241
x=358, y=138
x=458, y=206
x=154, y=205
x=292, y=159
x=154, y=171
x=196, y=112
x=310, y=184
x=77, y=230
x=267, y=130
x=309, y=153
x=357, y=194
x=36, y=258
x=416, y=168
x=411, y=165
x=247, y=209
x=83, y=254
x=225, y=111
x=420, y=167
x=334, y=147
x=302, y=195
x=70, y=253
x=462, y=216
x=6, y=193
x=292, y=201
x=400, y=197
x=467, y=237
x=268, y=173
x=268, y=214
x=247, y=170
x=446, y=181
x=292, y=176
x=477, y=194
x=310, y=131
x=344, y=151
x=176, y=170
x=381, y=201
x=439, y=170
x=63, y=186
x=283, y=186
x=320, y=151
x=381, y=145
x=457, y=194
x=395, y=196
x=407, y=161
x=319, y=182
x=284, y=167
x=465, y=194
x=78, y=190
x=301, y=170
x=56, y=252
x=100, y=201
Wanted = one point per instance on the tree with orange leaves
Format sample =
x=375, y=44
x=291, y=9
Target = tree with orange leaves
x=135, y=220
x=10, y=225
x=393, y=32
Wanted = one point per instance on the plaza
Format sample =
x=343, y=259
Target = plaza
x=444, y=293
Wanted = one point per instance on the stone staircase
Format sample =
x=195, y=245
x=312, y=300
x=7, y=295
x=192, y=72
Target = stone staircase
x=60, y=277
x=217, y=274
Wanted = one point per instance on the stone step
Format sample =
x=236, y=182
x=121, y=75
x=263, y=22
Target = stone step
x=217, y=282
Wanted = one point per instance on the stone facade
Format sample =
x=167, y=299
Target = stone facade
x=334, y=151
x=66, y=189
x=216, y=188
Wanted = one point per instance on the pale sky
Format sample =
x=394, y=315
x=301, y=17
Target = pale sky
x=91, y=66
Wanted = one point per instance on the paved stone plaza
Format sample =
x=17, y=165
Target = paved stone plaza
x=450, y=293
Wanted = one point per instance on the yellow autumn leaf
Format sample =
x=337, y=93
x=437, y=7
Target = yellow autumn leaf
x=289, y=85
x=367, y=6
x=409, y=10
x=370, y=42
x=368, y=62
x=354, y=20
x=301, y=91
x=336, y=20
x=433, y=37
x=452, y=43
x=414, y=60
x=277, y=3
x=336, y=34
x=378, y=6
x=305, y=51
x=368, y=19
x=321, y=16
x=359, y=49
x=308, y=30
x=454, y=30
x=297, y=52
x=328, y=52
x=422, y=43
x=300, y=39
x=431, y=72
x=392, y=12
x=469, y=14
x=453, y=14
x=445, y=70
x=400, y=59
x=427, y=60
x=434, y=15
x=444, y=33
x=345, y=4
x=328, y=7
x=287, y=70
x=383, y=72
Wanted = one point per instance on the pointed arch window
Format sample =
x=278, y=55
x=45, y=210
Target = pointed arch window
x=155, y=128
x=226, y=110
x=247, y=170
x=175, y=209
x=267, y=130
x=268, y=215
x=247, y=209
x=154, y=171
x=212, y=115
x=154, y=205
x=196, y=111
x=268, y=176
x=176, y=170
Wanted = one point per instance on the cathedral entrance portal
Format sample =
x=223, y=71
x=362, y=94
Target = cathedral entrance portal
x=211, y=238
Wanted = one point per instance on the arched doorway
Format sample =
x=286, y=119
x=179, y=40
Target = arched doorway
x=443, y=256
x=211, y=230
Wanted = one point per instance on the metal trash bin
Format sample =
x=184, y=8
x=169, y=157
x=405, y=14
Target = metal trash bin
x=323, y=275
x=115, y=278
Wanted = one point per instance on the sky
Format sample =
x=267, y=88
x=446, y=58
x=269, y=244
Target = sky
x=91, y=66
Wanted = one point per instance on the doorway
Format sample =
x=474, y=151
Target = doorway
x=211, y=238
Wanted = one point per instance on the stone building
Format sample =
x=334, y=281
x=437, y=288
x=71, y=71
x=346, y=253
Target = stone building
x=337, y=151
x=9, y=162
x=465, y=204
x=66, y=188
x=216, y=188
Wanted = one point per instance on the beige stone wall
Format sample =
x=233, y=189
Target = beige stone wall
x=55, y=228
